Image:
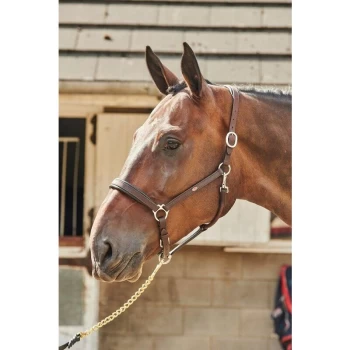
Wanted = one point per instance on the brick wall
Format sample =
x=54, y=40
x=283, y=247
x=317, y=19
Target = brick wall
x=204, y=299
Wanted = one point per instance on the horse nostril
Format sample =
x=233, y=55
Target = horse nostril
x=109, y=251
x=105, y=251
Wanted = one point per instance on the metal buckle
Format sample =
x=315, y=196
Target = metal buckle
x=228, y=142
x=161, y=207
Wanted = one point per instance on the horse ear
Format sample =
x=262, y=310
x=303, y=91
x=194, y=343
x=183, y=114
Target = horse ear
x=160, y=74
x=191, y=72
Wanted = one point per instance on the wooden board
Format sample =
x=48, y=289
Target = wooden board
x=114, y=138
x=275, y=246
x=67, y=241
x=228, y=70
x=185, y=15
x=110, y=100
x=245, y=223
x=168, y=41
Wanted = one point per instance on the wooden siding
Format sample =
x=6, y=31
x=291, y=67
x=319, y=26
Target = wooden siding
x=237, y=70
x=114, y=139
x=236, y=41
x=169, y=41
x=243, y=16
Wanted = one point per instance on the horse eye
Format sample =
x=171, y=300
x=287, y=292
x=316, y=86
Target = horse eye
x=171, y=145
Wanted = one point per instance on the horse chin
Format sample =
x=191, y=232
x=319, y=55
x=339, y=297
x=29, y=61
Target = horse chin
x=131, y=271
x=130, y=276
x=135, y=277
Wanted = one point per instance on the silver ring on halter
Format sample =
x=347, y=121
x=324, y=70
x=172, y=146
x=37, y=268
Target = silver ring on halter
x=227, y=139
x=229, y=169
x=164, y=262
x=160, y=208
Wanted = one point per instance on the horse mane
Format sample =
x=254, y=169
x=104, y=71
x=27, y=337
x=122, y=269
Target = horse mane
x=273, y=93
x=258, y=91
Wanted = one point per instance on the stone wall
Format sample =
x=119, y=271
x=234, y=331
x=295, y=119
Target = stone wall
x=204, y=299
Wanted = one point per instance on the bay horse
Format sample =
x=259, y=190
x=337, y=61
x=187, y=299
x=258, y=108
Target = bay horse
x=182, y=142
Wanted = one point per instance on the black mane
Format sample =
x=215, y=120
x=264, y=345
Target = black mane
x=180, y=86
x=269, y=92
x=258, y=91
x=176, y=88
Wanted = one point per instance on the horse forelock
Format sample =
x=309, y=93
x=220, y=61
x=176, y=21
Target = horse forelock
x=174, y=89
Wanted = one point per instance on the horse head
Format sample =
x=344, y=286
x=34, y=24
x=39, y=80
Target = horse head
x=180, y=143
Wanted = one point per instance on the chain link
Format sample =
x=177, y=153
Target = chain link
x=123, y=308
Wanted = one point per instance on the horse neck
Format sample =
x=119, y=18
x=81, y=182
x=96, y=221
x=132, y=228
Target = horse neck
x=263, y=158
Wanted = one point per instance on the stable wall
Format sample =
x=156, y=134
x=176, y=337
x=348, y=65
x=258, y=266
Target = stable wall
x=204, y=299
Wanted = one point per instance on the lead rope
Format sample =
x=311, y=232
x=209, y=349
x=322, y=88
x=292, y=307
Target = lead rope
x=116, y=313
x=144, y=286
x=138, y=293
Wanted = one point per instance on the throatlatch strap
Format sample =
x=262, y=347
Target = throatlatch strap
x=204, y=227
x=234, y=114
x=222, y=201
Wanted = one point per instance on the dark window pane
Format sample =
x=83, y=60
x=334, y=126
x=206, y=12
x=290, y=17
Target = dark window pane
x=71, y=168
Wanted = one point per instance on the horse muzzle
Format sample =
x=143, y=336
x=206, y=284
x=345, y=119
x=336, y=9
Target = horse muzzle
x=110, y=265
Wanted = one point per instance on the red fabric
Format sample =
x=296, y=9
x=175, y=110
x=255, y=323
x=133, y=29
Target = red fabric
x=286, y=338
x=281, y=231
x=284, y=286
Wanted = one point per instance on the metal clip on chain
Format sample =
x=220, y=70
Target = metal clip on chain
x=224, y=179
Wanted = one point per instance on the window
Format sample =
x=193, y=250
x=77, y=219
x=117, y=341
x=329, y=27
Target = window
x=71, y=179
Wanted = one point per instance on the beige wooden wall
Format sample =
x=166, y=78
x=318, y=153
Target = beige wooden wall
x=204, y=299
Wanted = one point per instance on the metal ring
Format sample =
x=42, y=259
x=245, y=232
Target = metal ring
x=228, y=142
x=229, y=168
x=160, y=208
x=164, y=262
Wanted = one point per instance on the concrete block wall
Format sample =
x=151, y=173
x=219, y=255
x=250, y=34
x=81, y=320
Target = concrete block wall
x=204, y=299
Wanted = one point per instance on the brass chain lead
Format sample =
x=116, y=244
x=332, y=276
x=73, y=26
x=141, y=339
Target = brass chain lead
x=123, y=308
